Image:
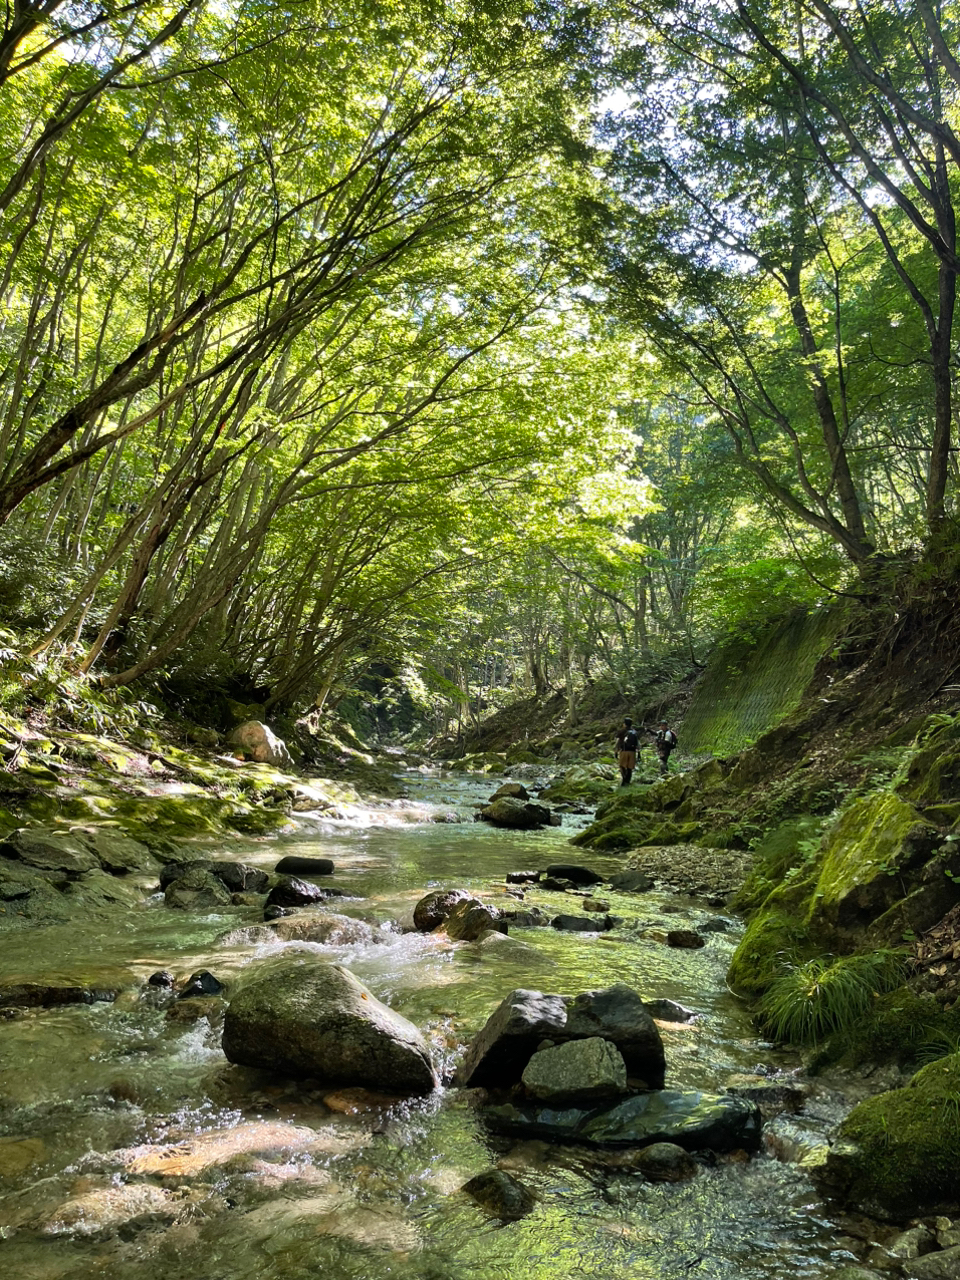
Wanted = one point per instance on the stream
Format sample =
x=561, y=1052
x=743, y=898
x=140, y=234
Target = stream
x=109, y=1105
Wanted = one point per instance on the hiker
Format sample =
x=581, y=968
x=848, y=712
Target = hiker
x=627, y=742
x=664, y=742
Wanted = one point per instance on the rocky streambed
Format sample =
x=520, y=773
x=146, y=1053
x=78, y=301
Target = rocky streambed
x=146, y=1130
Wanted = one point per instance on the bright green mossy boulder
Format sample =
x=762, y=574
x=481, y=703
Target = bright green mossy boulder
x=877, y=839
x=898, y=1153
x=773, y=940
x=582, y=785
x=635, y=816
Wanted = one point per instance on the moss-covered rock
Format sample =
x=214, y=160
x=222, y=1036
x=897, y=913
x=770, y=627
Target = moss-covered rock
x=900, y=1027
x=878, y=839
x=582, y=785
x=773, y=940
x=898, y=1153
x=787, y=849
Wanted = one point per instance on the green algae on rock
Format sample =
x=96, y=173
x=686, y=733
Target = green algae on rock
x=898, y=1153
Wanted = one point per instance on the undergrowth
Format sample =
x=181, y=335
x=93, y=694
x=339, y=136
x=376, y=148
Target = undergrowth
x=823, y=996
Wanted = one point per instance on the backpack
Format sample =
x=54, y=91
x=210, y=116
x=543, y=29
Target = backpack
x=670, y=739
x=631, y=740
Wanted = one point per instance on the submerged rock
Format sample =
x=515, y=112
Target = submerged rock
x=111, y=1207
x=669, y=1010
x=694, y=1121
x=582, y=924
x=308, y=1018
x=500, y=1194
x=522, y=877
x=667, y=1162
x=500, y=1052
x=33, y=995
x=688, y=939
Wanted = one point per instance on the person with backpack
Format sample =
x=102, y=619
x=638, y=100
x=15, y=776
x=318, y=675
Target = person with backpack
x=628, y=740
x=664, y=743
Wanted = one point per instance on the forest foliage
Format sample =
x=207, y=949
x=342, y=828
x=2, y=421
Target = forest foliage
x=511, y=345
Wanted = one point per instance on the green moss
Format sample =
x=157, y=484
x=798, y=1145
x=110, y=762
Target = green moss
x=773, y=941
x=876, y=837
x=900, y=1151
x=900, y=1027
x=789, y=847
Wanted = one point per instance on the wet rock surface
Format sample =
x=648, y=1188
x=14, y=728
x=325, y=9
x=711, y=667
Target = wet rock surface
x=298, y=865
x=515, y=815
x=33, y=995
x=291, y=891
x=579, y=1069
x=500, y=1194
x=692, y=1120
x=576, y=874
x=318, y=1020
x=513, y=1033
x=667, y=1162
x=431, y=911
x=197, y=890
x=471, y=919
x=582, y=924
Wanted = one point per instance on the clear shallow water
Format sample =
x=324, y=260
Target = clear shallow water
x=90, y=1093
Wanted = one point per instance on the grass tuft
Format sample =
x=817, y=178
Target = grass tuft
x=813, y=1000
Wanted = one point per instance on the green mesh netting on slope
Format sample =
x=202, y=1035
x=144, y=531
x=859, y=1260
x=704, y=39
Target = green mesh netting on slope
x=748, y=688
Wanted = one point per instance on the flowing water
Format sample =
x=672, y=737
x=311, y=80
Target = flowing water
x=130, y=1148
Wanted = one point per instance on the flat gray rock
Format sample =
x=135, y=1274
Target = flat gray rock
x=578, y=1070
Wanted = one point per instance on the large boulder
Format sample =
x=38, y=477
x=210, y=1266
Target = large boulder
x=573, y=872
x=500, y=1194
x=516, y=815
x=307, y=1018
x=431, y=911
x=258, y=742
x=694, y=1121
x=578, y=1070
x=514, y=1031
x=239, y=877
x=118, y=854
